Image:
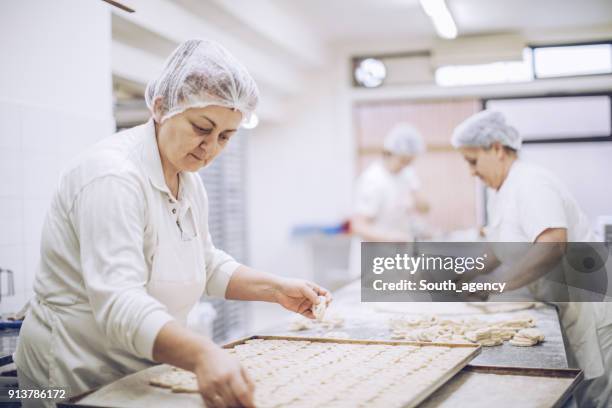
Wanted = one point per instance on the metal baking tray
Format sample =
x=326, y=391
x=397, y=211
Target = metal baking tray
x=506, y=387
x=134, y=390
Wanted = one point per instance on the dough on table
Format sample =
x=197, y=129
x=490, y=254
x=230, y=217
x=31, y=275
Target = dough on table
x=304, y=373
x=177, y=380
x=329, y=321
x=337, y=335
x=527, y=337
x=319, y=309
x=430, y=328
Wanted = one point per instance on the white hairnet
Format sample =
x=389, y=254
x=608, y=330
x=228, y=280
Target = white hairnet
x=201, y=73
x=485, y=128
x=404, y=140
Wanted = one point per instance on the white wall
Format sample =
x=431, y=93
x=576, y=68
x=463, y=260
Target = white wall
x=56, y=99
x=299, y=172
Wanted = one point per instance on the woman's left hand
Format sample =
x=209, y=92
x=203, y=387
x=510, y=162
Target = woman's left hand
x=300, y=296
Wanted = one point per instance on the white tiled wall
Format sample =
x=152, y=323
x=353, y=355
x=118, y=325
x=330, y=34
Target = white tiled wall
x=56, y=99
x=35, y=144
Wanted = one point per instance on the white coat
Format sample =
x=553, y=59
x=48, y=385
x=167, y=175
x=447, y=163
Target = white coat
x=386, y=198
x=120, y=257
x=531, y=200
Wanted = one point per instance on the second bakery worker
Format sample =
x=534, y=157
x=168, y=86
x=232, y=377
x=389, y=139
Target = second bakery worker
x=388, y=202
x=126, y=248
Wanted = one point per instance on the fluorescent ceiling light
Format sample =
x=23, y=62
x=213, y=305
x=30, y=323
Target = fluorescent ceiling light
x=441, y=18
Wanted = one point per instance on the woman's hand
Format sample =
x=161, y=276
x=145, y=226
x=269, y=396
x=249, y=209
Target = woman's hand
x=222, y=381
x=296, y=295
x=300, y=296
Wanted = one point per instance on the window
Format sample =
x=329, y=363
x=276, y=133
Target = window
x=558, y=119
x=572, y=60
x=482, y=74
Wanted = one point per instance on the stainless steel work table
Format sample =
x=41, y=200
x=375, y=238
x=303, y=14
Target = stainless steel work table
x=361, y=323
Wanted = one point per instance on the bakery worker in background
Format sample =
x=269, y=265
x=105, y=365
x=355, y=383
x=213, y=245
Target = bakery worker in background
x=126, y=251
x=388, y=202
x=529, y=204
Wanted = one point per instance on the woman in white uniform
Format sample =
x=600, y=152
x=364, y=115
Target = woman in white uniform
x=529, y=204
x=387, y=197
x=126, y=251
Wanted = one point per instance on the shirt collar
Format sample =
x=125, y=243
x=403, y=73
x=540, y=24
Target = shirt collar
x=153, y=165
x=152, y=162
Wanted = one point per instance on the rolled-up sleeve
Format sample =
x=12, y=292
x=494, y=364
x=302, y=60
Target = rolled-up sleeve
x=108, y=216
x=540, y=207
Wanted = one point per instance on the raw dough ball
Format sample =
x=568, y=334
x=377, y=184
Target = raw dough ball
x=319, y=309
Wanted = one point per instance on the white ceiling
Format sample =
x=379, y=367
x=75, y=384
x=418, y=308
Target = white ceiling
x=346, y=20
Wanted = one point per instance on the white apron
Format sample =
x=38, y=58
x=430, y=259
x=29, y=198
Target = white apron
x=178, y=274
x=577, y=319
x=70, y=351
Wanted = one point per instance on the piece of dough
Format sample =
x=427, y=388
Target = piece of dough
x=533, y=334
x=522, y=343
x=319, y=309
x=176, y=379
x=427, y=328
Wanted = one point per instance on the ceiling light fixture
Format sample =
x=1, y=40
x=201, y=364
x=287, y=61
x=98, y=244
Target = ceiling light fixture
x=251, y=122
x=370, y=72
x=441, y=18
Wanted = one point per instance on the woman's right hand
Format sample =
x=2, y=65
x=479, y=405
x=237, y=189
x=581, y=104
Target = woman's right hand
x=222, y=380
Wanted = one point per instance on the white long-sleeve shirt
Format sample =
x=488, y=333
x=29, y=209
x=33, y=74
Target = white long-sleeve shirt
x=120, y=257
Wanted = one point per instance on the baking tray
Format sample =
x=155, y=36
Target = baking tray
x=507, y=387
x=135, y=390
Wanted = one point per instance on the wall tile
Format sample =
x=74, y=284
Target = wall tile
x=11, y=257
x=11, y=222
x=34, y=212
x=77, y=134
x=40, y=173
x=10, y=132
x=10, y=170
x=31, y=266
x=39, y=129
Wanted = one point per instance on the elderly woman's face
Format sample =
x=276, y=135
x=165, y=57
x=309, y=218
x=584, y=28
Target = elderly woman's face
x=192, y=139
x=486, y=164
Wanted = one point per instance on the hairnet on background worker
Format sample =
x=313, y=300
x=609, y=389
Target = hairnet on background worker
x=404, y=140
x=527, y=203
x=485, y=128
x=388, y=203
